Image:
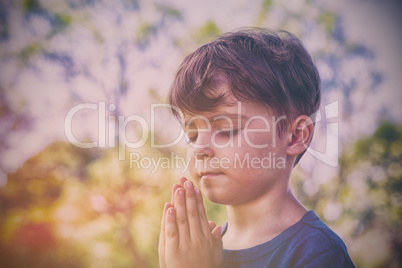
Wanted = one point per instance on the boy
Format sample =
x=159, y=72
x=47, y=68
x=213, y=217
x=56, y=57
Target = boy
x=244, y=101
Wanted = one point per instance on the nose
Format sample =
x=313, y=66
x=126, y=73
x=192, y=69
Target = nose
x=202, y=149
x=203, y=154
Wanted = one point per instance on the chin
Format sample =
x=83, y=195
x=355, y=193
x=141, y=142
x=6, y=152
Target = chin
x=216, y=198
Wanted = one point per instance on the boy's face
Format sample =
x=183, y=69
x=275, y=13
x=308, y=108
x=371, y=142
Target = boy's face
x=236, y=153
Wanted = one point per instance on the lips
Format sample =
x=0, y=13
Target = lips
x=209, y=174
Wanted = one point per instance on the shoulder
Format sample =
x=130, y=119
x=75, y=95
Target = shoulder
x=316, y=245
x=308, y=243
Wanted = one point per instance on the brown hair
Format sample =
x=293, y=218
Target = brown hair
x=258, y=66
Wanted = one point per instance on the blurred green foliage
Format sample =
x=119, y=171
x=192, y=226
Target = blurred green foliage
x=30, y=5
x=328, y=19
x=266, y=5
x=63, y=20
x=31, y=50
x=207, y=32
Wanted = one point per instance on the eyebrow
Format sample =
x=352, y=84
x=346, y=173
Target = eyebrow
x=220, y=117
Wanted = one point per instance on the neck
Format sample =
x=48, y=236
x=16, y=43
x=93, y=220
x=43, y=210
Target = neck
x=262, y=219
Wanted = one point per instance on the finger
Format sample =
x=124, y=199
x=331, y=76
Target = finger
x=218, y=244
x=212, y=225
x=171, y=232
x=174, y=188
x=216, y=234
x=181, y=215
x=182, y=181
x=161, y=246
x=192, y=210
x=162, y=234
x=201, y=211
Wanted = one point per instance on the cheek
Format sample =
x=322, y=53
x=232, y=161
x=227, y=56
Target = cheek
x=263, y=143
x=256, y=140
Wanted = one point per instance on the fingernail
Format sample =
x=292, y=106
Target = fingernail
x=181, y=192
x=197, y=191
x=171, y=211
x=189, y=184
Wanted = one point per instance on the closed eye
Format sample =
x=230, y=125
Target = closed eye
x=191, y=139
x=229, y=133
x=222, y=133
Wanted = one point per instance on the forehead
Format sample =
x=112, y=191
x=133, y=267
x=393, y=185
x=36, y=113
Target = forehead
x=229, y=107
x=228, y=111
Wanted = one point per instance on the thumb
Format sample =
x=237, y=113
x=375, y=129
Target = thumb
x=218, y=246
x=216, y=233
x=212, y=225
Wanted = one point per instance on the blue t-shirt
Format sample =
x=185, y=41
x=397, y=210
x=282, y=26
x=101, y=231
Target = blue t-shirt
x=308, y=243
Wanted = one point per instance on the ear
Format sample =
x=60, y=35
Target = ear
x=302, y=130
